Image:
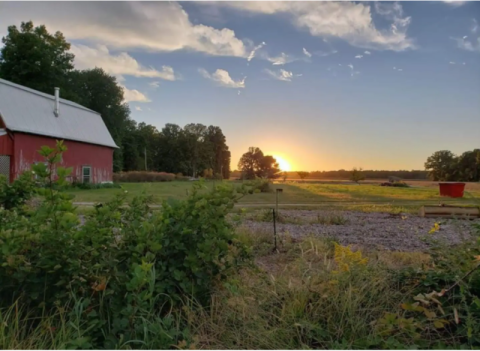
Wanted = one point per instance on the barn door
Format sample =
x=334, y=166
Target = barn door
x=5, y=166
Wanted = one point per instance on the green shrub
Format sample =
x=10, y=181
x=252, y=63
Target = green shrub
x=446, y=298
x=118, y=274
x=258, y=185
x=142, y=176
x=16, y=194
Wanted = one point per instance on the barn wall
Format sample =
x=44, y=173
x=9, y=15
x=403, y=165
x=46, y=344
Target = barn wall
x=6, y=145
x=100, y=158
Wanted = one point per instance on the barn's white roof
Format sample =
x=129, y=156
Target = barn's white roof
x=30, y=111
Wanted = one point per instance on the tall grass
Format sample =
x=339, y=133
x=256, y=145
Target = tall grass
x=298, y=300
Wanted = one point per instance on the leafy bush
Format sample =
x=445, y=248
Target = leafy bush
x=258, y=185
x=142, y=176
x=16, y=194
x=117, y=274
x=446, y=301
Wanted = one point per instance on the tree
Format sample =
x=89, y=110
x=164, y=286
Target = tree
x=249, y=163
x=36, y=59
x=101, y=93
x=284, y=176
x=356, y=175
x=469, y=166
x=442, y=166
x=220, y=153
x=269, y=168
x=255, y=164
x=303, y=175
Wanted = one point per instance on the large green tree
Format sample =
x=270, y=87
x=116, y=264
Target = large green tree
x=219, y=157
x=33, y=57
x=254, y=164
x=442, y=166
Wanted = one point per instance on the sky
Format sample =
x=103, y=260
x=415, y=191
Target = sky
x=321, y=85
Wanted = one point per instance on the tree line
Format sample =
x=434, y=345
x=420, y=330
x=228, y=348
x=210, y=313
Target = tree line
x=35, y=58
x=444, y=165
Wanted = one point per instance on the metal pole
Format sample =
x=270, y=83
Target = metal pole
x=274, y=230
x=276, y=201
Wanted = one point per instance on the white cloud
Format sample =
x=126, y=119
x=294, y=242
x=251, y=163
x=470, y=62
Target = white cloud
x=474, y=27
x=254, y=50
x=351, y=66
x=138, y=108
x=465, y=37
x=222, y=78
x=133, y=95
x=367, y=53
x=325, y=53
x=280, y=60
x=451, y=62
x=454, y=3
x=468, y=45
x=153, y=26
x=358, y=56
x=399, y=69
x=239, y=92
x=281, y=74
x=305, y=51
x=464, y=63
x=349, y=21
x=118, y=65
x=154, y=85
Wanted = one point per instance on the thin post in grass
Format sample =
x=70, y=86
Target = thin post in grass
x=274, y=229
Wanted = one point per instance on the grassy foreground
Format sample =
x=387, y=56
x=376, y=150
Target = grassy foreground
x=293, y=193
x=308, y=294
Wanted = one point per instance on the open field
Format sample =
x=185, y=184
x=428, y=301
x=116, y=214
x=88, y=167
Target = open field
x=295, y=194
x=469, y=186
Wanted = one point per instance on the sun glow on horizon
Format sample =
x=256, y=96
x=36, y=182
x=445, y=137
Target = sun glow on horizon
x=283, y=164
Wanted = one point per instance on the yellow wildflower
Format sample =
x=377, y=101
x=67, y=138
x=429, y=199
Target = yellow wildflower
x=435, y=228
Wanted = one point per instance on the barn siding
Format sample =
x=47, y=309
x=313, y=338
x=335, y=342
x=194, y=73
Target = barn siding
x=6, y=145
x=100, y=158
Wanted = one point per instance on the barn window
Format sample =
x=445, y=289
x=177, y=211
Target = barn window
x=86, y=174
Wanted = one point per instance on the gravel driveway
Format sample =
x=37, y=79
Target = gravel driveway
x=385, y=231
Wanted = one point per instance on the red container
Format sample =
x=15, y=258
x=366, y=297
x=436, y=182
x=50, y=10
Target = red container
x=452, y=189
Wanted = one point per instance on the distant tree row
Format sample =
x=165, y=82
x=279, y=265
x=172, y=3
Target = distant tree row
x=446, y=166
x=34, y=58
x=343, y=174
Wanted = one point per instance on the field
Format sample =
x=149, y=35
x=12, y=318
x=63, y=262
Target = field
x=295, y=194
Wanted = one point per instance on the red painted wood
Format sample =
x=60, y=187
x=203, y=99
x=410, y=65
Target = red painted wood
x=99, y=158
x=6, y=145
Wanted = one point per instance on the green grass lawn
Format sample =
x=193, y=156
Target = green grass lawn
x=293, y=193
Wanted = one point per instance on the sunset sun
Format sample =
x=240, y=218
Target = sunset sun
x=283, y=164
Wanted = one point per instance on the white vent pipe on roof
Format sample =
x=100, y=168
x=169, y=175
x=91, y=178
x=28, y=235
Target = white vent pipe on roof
x=57, y=102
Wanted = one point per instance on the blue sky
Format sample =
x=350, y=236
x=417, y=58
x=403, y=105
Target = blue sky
x=323, y=85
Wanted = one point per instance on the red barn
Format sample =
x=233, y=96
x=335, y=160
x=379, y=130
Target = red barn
x=30, y=119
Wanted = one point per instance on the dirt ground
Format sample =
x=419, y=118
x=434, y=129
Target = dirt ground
x=383, y=231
